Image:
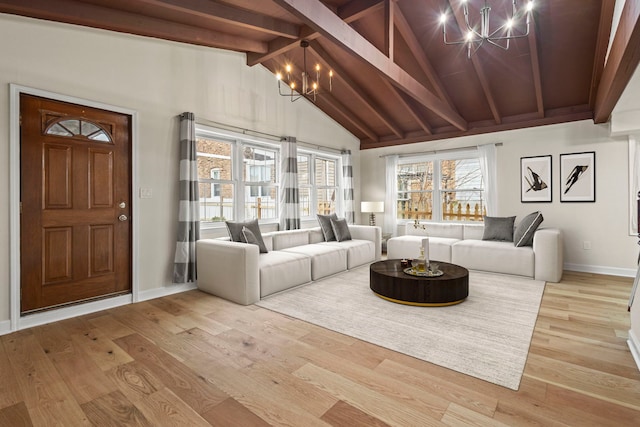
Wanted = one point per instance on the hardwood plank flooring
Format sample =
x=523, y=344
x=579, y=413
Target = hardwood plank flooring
x=194, y=359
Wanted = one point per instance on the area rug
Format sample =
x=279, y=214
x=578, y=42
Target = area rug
x=486, y=336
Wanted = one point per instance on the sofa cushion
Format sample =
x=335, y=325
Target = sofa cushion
x=280, y=270
x=523, y=236
x=359, y=252
x=498, y=228
x=235, y=232
x=251, y=238
x=409, y=247
x=325, y=259
x=325, y=226
x=289, y=238
x=340, y=229
x=498, y=257
x=473, y=231
x=435, y=229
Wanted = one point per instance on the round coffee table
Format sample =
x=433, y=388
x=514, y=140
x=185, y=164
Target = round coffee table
x=388, y=280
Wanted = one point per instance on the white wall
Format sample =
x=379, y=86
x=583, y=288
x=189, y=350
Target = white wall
x=604, y=223
x=159, y=80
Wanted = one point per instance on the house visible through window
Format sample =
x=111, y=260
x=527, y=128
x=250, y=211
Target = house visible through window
x=239, y=178
x=440, y=188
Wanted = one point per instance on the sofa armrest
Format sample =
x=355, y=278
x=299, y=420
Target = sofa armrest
x=229, y=270
x=368, y=232
x=548, y=248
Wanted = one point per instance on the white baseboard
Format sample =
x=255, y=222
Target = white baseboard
x=5, y=327
x=37, y=319
x=601, y=269
x=166, y=290
x=91, y=307
x=634, y=346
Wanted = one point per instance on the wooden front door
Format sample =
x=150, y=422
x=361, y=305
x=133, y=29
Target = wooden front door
x=75, y=228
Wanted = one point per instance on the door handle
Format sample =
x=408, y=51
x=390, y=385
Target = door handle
x=123, y=218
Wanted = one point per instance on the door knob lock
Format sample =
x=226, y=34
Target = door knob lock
x=122, y=218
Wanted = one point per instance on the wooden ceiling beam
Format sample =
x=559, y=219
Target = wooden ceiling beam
x=602, y=44
x=562, y=115
x=318, y=16
x=535, y=67
x=350, y=12
x=389, y=12
x=348, y=116
x=418, y=53
x=482, y=78
x=91, y=15
x=208, y=10
x=405, y=101
x=342, y=74
x=219, y=12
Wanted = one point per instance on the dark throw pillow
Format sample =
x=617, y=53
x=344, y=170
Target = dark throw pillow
x=251, y=238
x=498, y=228
x=236, y=235
x=325, y=226
x=523, y=236
x=340, y=229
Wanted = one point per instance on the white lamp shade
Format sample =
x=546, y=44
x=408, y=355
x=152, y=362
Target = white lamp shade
x=371, y=207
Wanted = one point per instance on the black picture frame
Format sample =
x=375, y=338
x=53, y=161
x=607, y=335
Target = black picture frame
x=536, y=179
x=578, y=177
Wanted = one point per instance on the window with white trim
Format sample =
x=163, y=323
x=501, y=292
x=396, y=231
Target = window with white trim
x=239, y=178
x=441, y=187
x=318, y=183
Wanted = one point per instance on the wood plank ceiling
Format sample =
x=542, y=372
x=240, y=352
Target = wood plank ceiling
x=395, y=82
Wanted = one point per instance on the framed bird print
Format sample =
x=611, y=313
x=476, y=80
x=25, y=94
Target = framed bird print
x=578, y=177
x=535, y=179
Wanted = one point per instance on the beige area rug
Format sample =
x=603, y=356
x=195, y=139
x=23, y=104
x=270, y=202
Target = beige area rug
x=487, y=336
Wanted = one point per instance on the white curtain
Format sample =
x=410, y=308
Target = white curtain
x=489, y=168
x=289, y=195
x=390, y=204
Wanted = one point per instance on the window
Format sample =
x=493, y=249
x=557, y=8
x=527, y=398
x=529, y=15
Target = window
x=261, y=190
x=326, y=184
x=239, y=178
x=440, y=188
x=215, y=179
x=78, y=128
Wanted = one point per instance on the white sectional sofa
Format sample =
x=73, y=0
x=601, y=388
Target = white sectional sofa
x=238, y=272
x=462, y=244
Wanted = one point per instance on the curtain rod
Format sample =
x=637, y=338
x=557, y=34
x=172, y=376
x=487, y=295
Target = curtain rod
x=445, y=150
x=264, y=135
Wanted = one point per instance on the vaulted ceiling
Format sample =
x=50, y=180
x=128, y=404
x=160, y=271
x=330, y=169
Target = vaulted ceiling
x=395, y=81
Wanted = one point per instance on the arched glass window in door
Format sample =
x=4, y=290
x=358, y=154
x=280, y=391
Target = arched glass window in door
x=78, y=128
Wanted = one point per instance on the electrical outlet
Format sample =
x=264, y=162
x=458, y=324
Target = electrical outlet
x=146, y=193
x=586, y=245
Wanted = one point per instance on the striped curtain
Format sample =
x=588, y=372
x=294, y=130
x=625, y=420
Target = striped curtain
x=347, y=182
x=290, y=195
x=184, y=268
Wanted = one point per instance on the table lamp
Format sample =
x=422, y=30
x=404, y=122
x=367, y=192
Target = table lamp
x=372, y=208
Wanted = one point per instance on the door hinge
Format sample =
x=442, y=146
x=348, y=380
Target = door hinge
x=20, y=120
x=20, y=208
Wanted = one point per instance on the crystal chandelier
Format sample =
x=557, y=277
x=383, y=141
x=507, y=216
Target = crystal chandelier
x=305, y=86
x=499, y=37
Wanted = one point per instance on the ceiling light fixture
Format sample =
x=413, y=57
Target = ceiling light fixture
x=499, y=37
x=305, y=87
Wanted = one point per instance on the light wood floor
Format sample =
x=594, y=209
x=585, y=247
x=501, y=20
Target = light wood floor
x=193, y=359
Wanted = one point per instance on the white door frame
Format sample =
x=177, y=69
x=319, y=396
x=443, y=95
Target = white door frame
x=18, y=322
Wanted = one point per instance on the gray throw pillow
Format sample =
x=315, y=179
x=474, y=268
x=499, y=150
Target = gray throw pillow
x=523, y=236
x=251, y=238
x=235, y=232
x=340, y=229
x=325, y=226
x=498, y=228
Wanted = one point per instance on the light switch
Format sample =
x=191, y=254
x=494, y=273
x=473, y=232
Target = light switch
x=146, y=193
